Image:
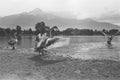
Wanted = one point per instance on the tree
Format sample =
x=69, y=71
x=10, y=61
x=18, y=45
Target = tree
x=30, y=31
x=18, y=29
x=67, y=31
x=113, y=31
x=40, y=28
x=2, y=32
x=54, y=31
x=8, y=31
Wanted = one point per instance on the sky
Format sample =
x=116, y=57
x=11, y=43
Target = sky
x=106, y=10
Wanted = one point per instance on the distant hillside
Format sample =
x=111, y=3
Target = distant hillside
x=29, y=19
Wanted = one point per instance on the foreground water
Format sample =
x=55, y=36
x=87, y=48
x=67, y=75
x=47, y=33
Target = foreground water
x=85, y=47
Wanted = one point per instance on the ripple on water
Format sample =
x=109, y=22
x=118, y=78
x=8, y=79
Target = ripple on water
x=96, y=51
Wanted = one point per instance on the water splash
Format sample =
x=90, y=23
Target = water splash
x=89, y=46
x=62, y=42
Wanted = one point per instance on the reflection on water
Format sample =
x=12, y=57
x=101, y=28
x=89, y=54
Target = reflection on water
x=85, y=47
x=25, y=42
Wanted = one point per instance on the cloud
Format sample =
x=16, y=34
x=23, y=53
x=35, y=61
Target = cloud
x=71, y=8
x=112, y=16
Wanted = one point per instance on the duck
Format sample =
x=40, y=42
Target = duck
x=13, y=41
x=44, y=42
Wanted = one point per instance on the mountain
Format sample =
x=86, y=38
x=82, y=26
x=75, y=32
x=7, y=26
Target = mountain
x=29, y=19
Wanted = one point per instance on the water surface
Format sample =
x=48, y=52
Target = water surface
x=85, y=47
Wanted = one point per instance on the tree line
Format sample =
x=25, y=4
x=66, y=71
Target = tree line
x=41, y=27
x=87, y=32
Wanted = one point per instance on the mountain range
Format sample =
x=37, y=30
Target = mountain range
x=29, y=19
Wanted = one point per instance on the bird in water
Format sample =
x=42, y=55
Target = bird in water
x=43, y=42
x=109, y=38
x=13, y=41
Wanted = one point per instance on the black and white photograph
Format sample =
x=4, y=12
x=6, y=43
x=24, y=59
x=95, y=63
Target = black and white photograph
x=59, y=39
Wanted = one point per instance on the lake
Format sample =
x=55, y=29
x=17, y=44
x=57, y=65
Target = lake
x=85, y=47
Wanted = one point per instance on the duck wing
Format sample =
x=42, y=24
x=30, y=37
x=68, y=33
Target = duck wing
x=51, y=41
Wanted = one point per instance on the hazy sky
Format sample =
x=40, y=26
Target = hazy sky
x=74, y=8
